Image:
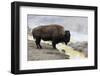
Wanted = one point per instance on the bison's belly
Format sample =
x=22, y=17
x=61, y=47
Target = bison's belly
x=55, y=39
x=47, y=39
x=46, y=36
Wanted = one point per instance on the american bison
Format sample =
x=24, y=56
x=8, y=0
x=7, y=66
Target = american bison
x=54, y=33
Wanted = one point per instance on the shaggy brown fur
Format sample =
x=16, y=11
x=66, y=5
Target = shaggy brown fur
x=53, y=32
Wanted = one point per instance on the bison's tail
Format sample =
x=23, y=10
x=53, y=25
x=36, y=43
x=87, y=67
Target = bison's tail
x=33, y=34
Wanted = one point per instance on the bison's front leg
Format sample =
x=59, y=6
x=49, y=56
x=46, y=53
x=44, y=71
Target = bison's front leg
x=66, y=42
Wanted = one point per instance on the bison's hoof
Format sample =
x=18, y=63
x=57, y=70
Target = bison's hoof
x=54, y=47
x=40, y=47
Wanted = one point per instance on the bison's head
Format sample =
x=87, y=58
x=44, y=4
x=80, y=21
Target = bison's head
x=67, y=36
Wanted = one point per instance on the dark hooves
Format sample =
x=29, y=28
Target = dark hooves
x=54, y=47
x=39, y=47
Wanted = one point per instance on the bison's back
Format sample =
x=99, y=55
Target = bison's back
x=48, y=31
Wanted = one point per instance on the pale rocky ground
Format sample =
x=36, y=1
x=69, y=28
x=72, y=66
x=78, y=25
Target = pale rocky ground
x=46, y=53
x=72, y=50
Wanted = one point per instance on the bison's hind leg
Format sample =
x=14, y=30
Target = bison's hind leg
x=38, y=42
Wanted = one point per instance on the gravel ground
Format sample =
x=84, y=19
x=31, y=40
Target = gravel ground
x=46, y=53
